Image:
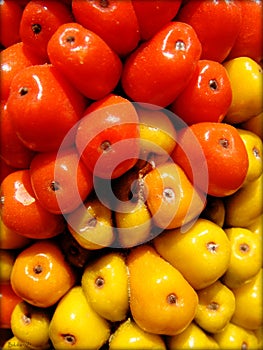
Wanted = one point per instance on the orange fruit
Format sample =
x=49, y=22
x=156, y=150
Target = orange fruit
x=41, y=275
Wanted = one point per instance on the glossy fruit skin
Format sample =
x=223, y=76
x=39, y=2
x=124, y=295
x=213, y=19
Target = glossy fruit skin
x=74, y=322
x=249, y=40
x=208, y=95
x=216, y=306
x=153, y=15
x=14, y=58
x=10, y=13
x=193, y=337
x=217, y=24
x=39, y=21
x=85, y=59
x=12, y=150
x=108, y=19
x=10, y=239
x=204, y=237
x=245, y=259
x=254, y=124
x=249, y=297
x=130, y=336
x=169, y=58
x=22, y=212
x=8, y=300
x=40, y=274
x=43, y=107
x=170, y=196
x=105, y=285
x=224, y=152
x=107, y=137
x=60, y=180
x=247, y=97
x=161, y=314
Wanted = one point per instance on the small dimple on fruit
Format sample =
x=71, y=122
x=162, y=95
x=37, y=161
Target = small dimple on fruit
x=92, y=222
x=212, y=247
x=2, y=200
x=54, y=186
x=244, y=248
x=69, y=338
x=171, y=298
x=213, y=306
x=213, y=84
x=36, y=28
x=26, y=318
x=168, y=194
x=256, y=152
x=38, y=269
x=99, y=282
x=180, y=45
x=224, y=143
x=105, y=146
x=23, y=91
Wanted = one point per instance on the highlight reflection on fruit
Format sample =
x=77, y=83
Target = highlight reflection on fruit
x=131, y=174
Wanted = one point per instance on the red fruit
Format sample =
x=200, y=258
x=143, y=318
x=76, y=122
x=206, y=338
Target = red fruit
x=10, y=14
x=249, y=42
x=12, y=150
x=159, y=69
x=8, y=301
x=108, y=137
x=113, y=20
x=5, y=170
x=22, y=212
x=43, y=107
x=208, y=95
x=13, y=59
x=85, y=59
x=217, y=24
x=222, y=154
x=153, y=15
x=40, y=20
x=60, y=180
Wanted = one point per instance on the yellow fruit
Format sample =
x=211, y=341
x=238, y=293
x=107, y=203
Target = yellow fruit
x=253, y=145
x=249, y=311
x=215, y=308
x=130, y=336
x=157, y=134
x=134, y=223
x=75, y=325
x=105, y=285
x=254, y=124
x=10, y=239
x=193, y=337
x=201, y=254
x=246, y=256
x=7, y=259
x=244, y=205
x=256, y=225
x=91, y=225
x=161, y=300
x=234, y=337
x=15, y=344
x=247, y=89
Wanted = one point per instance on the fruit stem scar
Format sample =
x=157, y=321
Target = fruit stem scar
x=54, y=186
x=180, y=45
x=212, y=247
x=213, y=84
x=105, y=146
x=70, y=39
x=37, y=269
x=224, y=142
x=99, y=282
x=244, y=346
x=104, y=3
x=168, y=194
x=213, y=306
x=171, y=298
x=69, y=338
x=256, y=152
x=244, y=247
x=36, y=28
x=23, y=91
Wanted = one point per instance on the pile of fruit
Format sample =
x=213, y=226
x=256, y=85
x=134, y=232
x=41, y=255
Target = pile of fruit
x=131, y=174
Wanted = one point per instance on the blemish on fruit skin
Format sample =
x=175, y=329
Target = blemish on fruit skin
x=69, y=338
x=256, y=152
